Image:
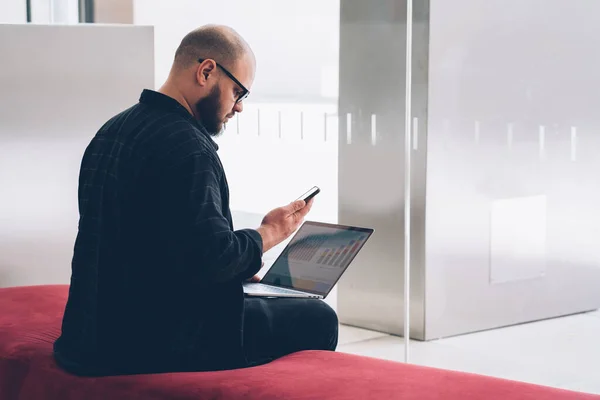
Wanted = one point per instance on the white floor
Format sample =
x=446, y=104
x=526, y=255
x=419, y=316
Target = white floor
x=562, y=352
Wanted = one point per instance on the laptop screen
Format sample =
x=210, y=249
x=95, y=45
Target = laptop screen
x=316, y=257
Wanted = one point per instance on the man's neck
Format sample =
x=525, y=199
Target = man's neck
x=169, y=89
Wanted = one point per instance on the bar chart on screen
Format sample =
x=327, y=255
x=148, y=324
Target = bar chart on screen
x=340, y=256
x=312, y=249
x=305, y=249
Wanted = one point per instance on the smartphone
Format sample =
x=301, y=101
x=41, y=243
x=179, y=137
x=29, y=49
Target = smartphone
x=309, y=194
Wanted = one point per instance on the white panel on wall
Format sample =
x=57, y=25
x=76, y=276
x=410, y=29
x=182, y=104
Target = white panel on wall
x=518, y=239
x=62, y=84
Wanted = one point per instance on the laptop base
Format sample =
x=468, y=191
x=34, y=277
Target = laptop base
x=262, y=290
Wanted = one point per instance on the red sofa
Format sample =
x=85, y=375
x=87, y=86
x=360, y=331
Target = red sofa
x=30, y=319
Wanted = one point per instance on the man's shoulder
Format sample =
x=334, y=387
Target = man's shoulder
x=183, y=139
x=158, y=131
x=141, y=118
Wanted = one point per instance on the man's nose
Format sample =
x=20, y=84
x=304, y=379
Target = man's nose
x=239, y=107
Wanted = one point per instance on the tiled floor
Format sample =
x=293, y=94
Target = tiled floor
x=561, y=352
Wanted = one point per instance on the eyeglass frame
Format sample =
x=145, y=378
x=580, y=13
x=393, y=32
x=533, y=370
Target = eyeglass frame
x=245, y=92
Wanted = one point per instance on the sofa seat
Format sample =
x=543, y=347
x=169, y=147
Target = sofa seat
x=30, y=320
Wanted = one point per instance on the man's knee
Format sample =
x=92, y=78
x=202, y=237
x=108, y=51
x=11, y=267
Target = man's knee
x=328, y=324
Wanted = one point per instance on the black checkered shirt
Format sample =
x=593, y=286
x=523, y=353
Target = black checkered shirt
x=157, y=265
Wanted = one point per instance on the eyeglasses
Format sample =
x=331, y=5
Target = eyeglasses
x=245, y=92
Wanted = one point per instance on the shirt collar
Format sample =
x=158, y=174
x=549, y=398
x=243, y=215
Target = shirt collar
x=167, y=103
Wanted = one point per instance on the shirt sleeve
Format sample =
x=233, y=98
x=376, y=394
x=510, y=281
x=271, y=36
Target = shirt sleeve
x=219, y=253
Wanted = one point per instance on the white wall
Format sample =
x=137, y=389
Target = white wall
x=285, y=150
x=47, y=117
x=512, y=163
x=13, y=12
x=296, y=42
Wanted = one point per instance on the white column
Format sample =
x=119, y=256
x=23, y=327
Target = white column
x=54, y=11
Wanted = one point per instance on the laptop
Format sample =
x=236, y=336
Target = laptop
x=312, y=262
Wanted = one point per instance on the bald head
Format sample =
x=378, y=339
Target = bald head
x=212, y=74
x=217, y=42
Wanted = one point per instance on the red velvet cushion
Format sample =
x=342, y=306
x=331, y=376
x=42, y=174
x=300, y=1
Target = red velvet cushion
x=30, y=320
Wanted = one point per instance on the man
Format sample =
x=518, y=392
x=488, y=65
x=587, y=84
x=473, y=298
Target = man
x=157, y=270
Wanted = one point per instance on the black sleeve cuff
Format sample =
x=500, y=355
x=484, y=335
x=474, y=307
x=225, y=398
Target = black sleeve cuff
x=256, y=263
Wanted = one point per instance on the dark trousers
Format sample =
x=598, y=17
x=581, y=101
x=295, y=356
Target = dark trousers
x=275, y=327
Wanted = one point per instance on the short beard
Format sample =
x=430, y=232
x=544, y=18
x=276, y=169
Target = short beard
x=208, y=112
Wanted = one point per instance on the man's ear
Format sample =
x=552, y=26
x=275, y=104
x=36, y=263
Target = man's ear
x=205, y=72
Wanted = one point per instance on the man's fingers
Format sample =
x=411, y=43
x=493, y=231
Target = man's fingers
x=310, y=203
x=296, y=205
x=304, y=210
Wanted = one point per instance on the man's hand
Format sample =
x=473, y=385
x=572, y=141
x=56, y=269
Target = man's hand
x=281, y=222
x=256, y=278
